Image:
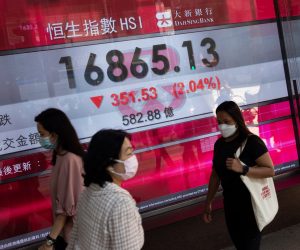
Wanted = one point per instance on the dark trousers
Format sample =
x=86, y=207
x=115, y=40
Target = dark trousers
x=248, y=244
x=242, y=225
x=60, y=243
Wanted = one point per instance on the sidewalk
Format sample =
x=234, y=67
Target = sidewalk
x=285, y=239
x=192, y=233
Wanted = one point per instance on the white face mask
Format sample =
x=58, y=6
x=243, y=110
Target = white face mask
x=131, y=167
x=227, y=130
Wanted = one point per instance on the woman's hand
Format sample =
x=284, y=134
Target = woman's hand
x=234, y=164
x=207, y=213
x=45, y=247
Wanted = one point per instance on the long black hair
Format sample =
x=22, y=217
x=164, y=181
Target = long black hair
x=56, y=121
x=234, y=111
x=104, y=148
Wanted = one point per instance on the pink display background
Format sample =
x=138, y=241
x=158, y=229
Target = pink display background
x=25, y=204
x=25, y=26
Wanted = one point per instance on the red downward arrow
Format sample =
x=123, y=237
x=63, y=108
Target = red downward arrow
x=97, y=100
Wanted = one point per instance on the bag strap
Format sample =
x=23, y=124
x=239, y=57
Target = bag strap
x=240, y=149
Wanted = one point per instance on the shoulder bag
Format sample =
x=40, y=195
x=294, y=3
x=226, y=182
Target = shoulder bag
x=263, y=195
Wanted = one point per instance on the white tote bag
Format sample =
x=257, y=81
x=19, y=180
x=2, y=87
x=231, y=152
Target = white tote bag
x=263, y=196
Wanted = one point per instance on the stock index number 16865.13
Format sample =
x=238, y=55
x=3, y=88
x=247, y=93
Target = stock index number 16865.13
x=117, y=71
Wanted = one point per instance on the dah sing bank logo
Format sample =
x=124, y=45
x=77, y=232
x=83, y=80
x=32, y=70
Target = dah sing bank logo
x=164, y=19
x=185, y=17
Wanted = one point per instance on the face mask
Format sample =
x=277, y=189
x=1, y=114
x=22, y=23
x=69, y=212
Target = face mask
x=46, y=143
x=227, y=130
x=131, y=167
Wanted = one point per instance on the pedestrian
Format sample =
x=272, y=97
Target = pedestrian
x=57, y=134
x=107, y=216
x=239, y=215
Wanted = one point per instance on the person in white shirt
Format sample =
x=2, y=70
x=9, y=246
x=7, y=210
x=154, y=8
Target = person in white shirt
x=107, y=216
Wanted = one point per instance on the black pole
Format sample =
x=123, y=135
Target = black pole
x=287, y=75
